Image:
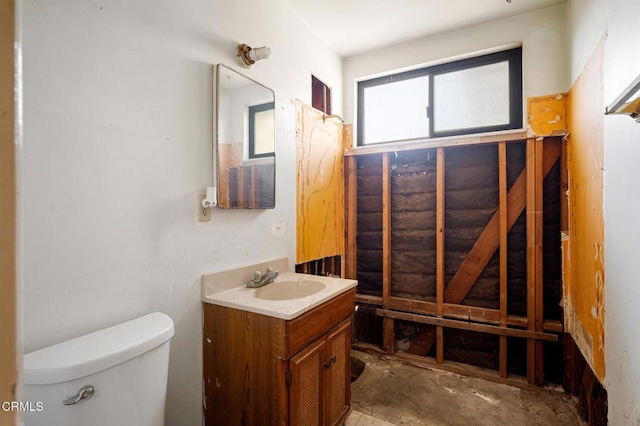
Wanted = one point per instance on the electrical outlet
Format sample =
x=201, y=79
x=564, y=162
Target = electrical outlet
x=203, y=214
x=277, y=228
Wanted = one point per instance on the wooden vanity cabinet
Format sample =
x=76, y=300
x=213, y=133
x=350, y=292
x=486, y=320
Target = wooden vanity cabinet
x=260, y=370
x=320, y=380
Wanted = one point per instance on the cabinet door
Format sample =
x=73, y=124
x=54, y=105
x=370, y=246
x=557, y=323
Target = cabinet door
x=305, y=392
x=338, y=376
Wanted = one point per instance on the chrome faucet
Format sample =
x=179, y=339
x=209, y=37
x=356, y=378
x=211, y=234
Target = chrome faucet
x=259, y=279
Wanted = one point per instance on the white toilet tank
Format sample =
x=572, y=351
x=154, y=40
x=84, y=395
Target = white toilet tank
x=122, y=368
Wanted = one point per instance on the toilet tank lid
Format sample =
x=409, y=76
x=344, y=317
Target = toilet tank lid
x=96, y=351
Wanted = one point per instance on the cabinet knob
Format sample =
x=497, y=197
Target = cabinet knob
x=331, y=361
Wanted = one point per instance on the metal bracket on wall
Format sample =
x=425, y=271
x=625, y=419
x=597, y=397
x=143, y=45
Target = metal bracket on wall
x=622, y=105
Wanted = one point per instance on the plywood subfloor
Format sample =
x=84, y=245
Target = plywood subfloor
x=404, y=395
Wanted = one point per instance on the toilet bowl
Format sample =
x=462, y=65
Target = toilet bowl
x=115, y=376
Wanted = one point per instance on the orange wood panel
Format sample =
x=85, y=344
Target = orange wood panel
x=584, y=304
x=320, y=185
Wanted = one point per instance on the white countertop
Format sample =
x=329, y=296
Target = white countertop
x=244, y=298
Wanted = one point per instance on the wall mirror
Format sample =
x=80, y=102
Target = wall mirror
x=244, y=141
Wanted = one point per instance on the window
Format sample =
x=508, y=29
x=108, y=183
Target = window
x=474, y=95
x=261, y=131
x=320, y=95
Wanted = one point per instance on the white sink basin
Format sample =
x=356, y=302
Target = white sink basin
x=289, y=296
x=289, y=290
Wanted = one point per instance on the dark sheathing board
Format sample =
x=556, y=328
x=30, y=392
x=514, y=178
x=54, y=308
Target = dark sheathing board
x=413, y=221
x=471, y=198
x=369, y=224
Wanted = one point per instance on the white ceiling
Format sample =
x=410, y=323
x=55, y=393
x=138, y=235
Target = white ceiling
x=356, y=26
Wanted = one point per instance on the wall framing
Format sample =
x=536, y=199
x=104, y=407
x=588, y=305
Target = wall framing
x=377, y=234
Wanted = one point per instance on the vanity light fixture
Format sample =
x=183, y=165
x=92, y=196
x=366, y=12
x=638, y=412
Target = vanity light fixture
x=247, y=56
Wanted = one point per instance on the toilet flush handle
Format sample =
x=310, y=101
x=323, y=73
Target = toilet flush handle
x=85, y=392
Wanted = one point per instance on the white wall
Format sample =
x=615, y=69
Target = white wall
x=117, y=137
x=542, y=35
x=617, y=19
x=586, y=26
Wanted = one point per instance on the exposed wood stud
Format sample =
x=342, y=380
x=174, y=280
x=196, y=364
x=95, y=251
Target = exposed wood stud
x=386, y=231
x=440, y=226
x=488, y=243
x=504, y=229
x=388, y=333
x=254, y=186
x=564, y=187
x=351, y=209
x=531, y=258
x=453, y=311
x=471, y=326
x=502, y=363
x=241, y=179
x=539, y=279
x=370, y=300
x=487, y=281
x=516, y=136
x=502, y=182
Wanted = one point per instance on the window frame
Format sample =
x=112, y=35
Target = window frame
x=512, y=56
x=252, y=129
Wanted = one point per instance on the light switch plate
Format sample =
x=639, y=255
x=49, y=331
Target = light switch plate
x=202, y=214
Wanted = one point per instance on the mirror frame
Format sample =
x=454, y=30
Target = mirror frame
x=224, y=200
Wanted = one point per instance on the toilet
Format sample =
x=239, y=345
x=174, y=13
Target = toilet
x=115, y=376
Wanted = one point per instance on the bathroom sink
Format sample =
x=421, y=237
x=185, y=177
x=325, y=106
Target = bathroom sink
x=289, y=290
x=289, y=296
